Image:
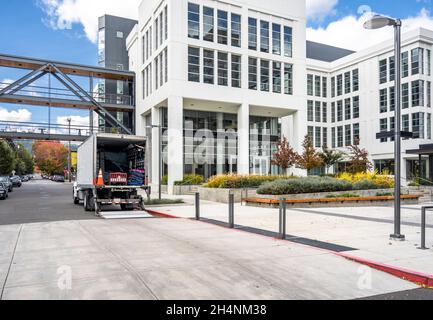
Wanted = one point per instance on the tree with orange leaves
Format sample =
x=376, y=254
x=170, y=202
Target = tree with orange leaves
x=50, y=156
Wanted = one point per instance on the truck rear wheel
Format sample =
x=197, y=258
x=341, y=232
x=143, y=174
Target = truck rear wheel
x=89, y=202
x=75, y=199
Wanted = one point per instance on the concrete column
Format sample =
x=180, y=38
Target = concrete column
x=297, y=135
x=220, y=145
x=244, y=139
x=156, y=121
x=175, y=141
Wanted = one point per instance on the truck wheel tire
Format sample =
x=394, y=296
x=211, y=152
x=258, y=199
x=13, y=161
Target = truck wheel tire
x=76, y=200
x=89, y=202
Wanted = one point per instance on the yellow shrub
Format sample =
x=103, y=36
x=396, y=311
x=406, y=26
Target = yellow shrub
x=384, y=181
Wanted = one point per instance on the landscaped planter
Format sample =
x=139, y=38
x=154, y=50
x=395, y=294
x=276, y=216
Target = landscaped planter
x=222, y=195
x=321, y=195
x=185, y=190
x=373, y=201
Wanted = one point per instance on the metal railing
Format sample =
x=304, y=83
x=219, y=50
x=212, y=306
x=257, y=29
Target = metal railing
x=45, y=128
x=65, y=94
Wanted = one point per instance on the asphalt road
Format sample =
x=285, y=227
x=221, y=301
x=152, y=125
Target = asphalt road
x=41, y=201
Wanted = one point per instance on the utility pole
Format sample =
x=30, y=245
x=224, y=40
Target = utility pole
x=69, y=151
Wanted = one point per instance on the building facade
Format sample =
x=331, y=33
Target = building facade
x=112, y=54
x=226, y=80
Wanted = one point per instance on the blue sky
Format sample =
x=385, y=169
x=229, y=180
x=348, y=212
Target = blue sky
x=27, y=31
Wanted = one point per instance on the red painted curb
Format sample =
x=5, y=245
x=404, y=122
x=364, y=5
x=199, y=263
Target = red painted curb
x=160, y=214
x=422, y=279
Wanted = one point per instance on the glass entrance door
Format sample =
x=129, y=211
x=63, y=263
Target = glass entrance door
x=261, y=166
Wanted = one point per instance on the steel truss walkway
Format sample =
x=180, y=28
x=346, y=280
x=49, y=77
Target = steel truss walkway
x=23, y=91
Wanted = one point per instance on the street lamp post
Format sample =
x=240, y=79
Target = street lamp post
x=377, y=22
x=69, y=151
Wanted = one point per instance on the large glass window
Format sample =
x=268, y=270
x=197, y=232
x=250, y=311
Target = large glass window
x=264, y=75
x=355, y=102
x=418, y=93
x=208, y=24
x=405, y=64
x=193, y=21
x=276, y=77
x=325, y=112
x=392, y=99
x=276, y=39
x=333, y=140
x=355, y=80
x=339, y=85
x=405, y=95
x=236, y=71
x=383, y=71
x=264, y=36
x=324, y=87
x=347, y=109
x=383, y=128
x=252, y=73
x=418, y=125
x=318, y=137
x=236, y=30
x=405, y=123
x=347, y=82
x=223, y=66
x=428, y=62
x=318, y=111
x=310, y=111
x=340, y=111
x=429, y=123
x=340, y=137
x=310, y=85
x=356, y=134
x=391, y=68
x=252, y=34
x=333, y=87
x=317, y=86
x=209, y=66
x=222, y=27
x=333, y=115
x=288, y=78
x=383, y=96
x=194, y=64
x=417, y=61
x=348, y=135
x=288, y=42
x=429, y=94
x=325, y=137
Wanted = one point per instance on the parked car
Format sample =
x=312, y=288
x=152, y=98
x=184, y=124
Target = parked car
x=8, y=183
x=58, y=178
x=4, y=193
x=25, y=179
x=16, y=181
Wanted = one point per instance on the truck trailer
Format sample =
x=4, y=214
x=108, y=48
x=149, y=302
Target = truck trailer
x=111, y=171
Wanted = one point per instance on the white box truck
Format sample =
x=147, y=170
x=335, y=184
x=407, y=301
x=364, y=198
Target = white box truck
x=121, y=160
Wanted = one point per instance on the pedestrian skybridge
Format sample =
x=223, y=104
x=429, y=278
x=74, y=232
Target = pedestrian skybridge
x=65, y=85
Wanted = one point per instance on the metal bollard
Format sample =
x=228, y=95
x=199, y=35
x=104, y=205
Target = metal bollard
x=283, y=218
x=197, y=206
x=231, y=210
x=423, y=226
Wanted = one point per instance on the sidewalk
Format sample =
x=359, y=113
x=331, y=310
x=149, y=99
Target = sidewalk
x=365, y=229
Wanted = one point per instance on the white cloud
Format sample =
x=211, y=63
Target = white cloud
x=348, y=32
x=62, y=14
x=318, y=9
x=21, y=115
x=4, y=83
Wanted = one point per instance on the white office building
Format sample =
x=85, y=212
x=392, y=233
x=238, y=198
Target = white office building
x=227, y=79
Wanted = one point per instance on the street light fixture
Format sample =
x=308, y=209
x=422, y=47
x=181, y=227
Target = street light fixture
x=377, y=22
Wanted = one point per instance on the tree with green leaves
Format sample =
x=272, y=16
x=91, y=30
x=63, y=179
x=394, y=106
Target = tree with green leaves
x=25, y=163
x=286, y=156
x=310, y=158
x=7, y=159
x=330, y=157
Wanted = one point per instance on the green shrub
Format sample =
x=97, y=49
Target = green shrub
x=164, y=181
x=367, y=185
x=239, y=182
x=384, y=194
x=190, y=180
x=304, y=185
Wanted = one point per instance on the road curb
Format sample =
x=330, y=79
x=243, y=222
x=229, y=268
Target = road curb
x=160, y=214
x=419, y=278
